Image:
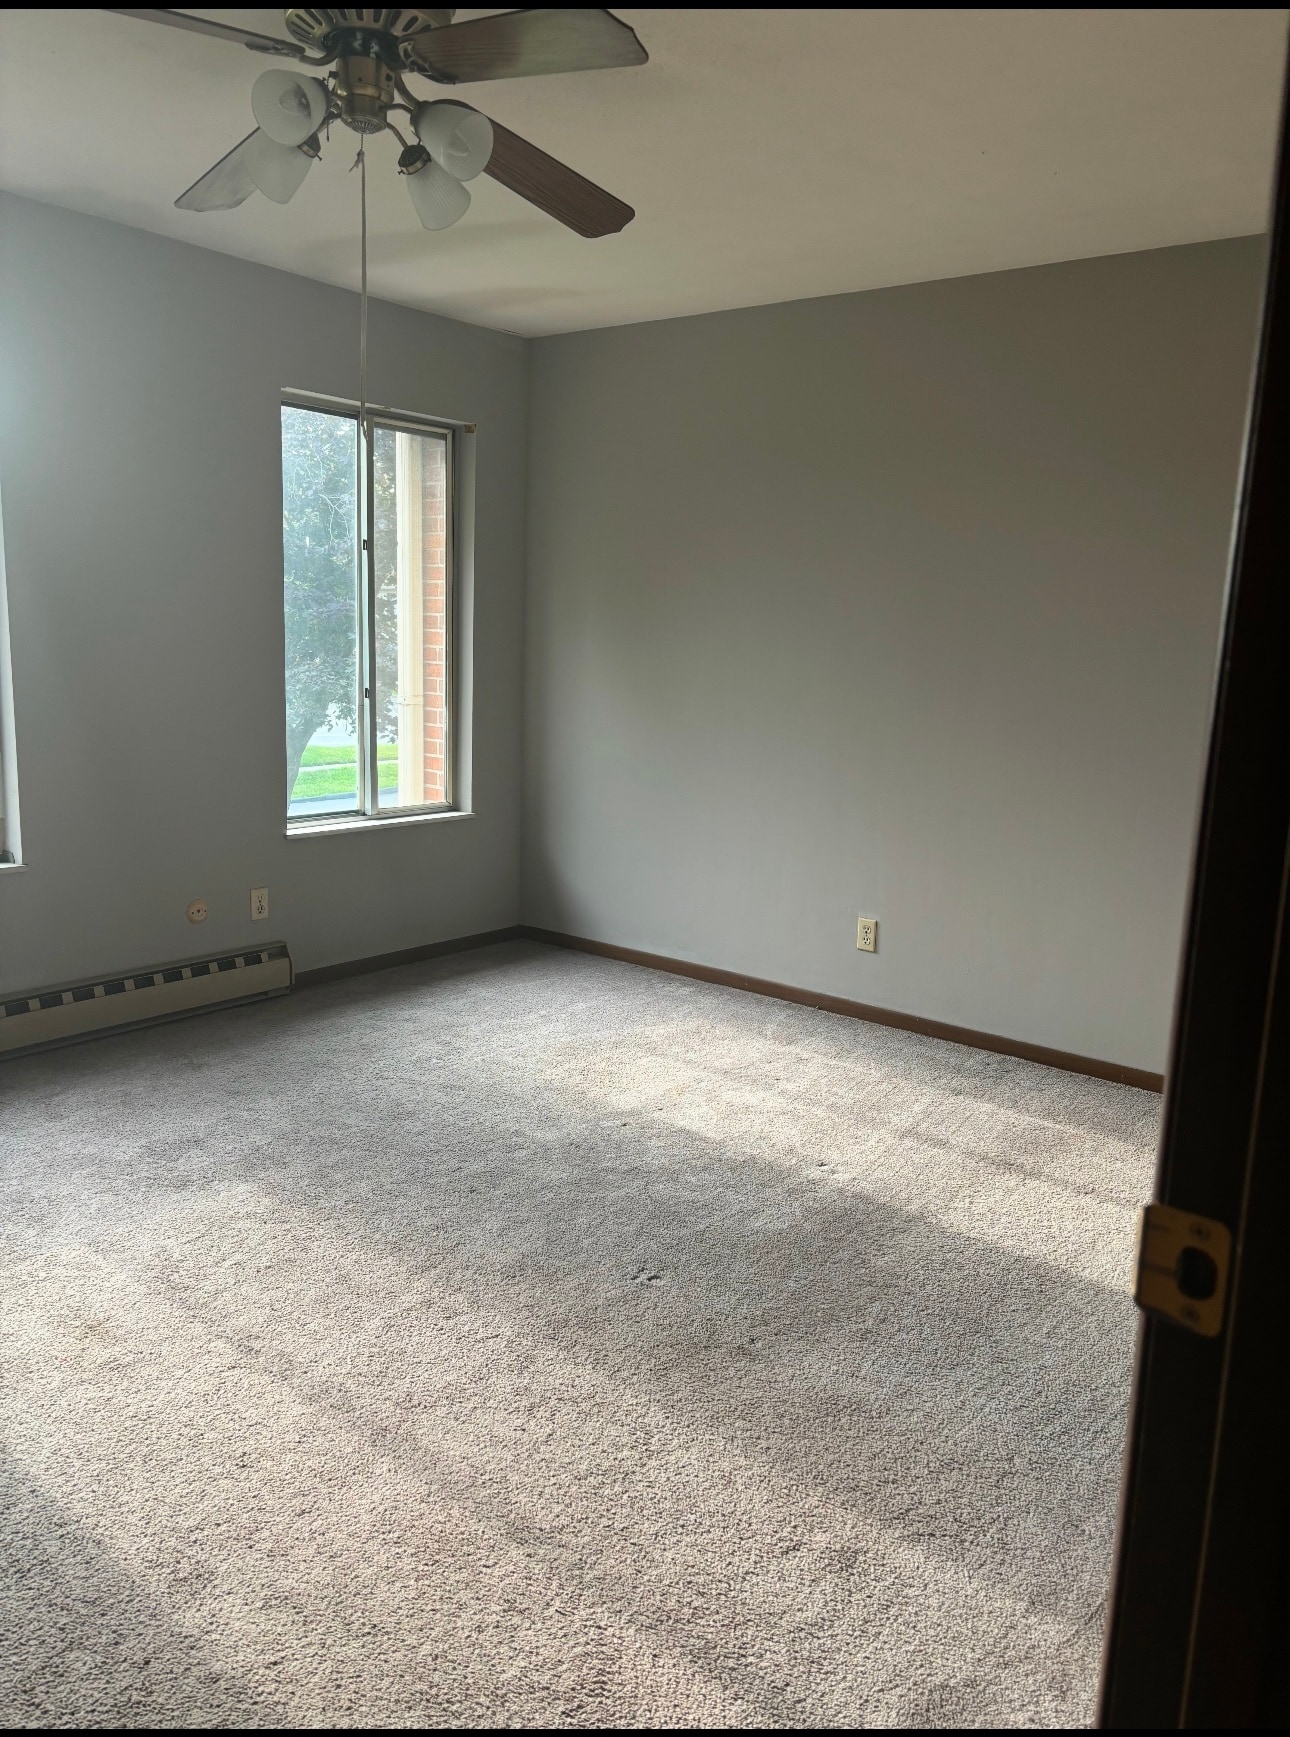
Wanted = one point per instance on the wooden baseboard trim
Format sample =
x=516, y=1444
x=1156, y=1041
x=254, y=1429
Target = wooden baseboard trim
x=1050, y=1058
x=406, y=956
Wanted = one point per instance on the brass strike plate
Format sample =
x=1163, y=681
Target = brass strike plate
x=1183, y=1261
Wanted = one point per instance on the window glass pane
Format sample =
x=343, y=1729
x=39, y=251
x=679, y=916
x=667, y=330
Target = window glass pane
x=410, y=484
x=320, y=567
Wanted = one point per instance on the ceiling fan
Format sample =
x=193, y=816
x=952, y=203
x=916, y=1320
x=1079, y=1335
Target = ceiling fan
x=370, y=51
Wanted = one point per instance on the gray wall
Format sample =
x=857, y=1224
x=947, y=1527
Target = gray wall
x=902, y=603
x=142, y=523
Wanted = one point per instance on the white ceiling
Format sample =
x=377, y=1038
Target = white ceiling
x=769, y=154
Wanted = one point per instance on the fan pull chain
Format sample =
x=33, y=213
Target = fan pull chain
x=360, y=163
x=362, y=316
x=362, y=500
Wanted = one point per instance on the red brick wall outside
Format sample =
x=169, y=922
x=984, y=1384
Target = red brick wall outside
x=434, y=617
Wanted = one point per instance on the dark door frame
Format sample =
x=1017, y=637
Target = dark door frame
x=1199, y=1603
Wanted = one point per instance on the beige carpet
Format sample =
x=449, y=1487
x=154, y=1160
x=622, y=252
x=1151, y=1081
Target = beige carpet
x=526, y=1339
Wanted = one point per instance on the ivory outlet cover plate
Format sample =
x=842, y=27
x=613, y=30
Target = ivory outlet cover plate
x=867, y=934
x=197, y=912
x=259, y=904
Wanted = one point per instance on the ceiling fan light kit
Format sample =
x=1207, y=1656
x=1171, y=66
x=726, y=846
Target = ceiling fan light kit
x=277, y=170
x=370, y=52
x=289, y=108
x=458, y=137
x=438, y=197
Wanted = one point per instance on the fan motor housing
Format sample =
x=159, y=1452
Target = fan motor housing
x=332, y=27
x=365, y=86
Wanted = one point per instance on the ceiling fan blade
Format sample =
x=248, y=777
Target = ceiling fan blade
x=539, y=39
x=224, y=186
x=207, y=27
x=553, y=187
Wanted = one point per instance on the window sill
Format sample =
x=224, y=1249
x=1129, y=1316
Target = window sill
x=372, y=822
x=12, y=868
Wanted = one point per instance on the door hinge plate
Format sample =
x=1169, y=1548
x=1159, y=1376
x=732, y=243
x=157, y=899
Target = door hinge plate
x=1183, y=1261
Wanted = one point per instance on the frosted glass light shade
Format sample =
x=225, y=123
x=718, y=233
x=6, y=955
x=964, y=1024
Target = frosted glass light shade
x=288, y=107
x=277, y=170
x=439, y=198
x=458, y=137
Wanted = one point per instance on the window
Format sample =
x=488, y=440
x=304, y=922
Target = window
x=368, y=614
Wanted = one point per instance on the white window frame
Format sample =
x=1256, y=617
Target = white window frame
x=10, y=829
x=368, y=813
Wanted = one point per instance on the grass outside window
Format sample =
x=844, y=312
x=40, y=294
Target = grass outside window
x=328, y=771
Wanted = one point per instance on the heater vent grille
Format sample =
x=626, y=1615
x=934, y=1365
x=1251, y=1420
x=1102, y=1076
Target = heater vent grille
x=166, y=991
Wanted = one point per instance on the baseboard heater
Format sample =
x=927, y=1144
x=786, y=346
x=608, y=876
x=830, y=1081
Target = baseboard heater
x=81, y=1010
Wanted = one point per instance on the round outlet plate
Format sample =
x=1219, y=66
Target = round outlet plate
x=197, y=911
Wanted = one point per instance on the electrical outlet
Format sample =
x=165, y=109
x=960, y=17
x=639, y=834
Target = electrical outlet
x=259, y=904
x=867, y=934
x=197, y=911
